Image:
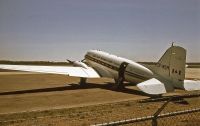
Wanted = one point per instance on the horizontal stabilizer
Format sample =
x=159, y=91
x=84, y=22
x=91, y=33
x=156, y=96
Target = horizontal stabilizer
x=152, y=86
x=191, y=85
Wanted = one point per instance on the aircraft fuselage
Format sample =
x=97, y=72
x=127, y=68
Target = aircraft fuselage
x=108, y=65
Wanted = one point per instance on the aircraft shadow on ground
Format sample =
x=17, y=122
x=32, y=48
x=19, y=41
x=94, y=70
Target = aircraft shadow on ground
x=107, y=86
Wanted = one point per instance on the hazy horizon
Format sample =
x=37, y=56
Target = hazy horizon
x=140, y=30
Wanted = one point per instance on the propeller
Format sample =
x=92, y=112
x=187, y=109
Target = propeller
x=71, y=62
x=78, y=63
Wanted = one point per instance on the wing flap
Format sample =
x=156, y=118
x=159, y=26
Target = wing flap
x=64, y=70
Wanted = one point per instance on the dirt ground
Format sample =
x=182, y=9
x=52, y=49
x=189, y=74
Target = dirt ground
x=47, y=99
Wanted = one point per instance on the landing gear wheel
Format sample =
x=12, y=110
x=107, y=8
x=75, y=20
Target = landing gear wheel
x=120, y=84
x=82, y=82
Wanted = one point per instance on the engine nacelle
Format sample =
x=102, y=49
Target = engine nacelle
x=80, y=64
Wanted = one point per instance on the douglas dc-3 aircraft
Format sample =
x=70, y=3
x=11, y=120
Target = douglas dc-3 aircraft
x=165, y=76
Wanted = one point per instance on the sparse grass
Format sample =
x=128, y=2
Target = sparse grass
x=103, y=113
x=86, y=115
x=33, y=63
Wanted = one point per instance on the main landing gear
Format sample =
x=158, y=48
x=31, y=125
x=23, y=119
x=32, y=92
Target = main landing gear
x=119, y=81
x=82, y=81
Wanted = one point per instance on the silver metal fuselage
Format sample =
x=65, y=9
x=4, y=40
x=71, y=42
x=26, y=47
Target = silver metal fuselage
x=107, y=65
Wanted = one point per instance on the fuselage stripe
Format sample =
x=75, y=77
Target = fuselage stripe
x=114, y=67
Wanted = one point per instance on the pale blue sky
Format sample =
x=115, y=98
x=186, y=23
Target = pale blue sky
x=55, y=30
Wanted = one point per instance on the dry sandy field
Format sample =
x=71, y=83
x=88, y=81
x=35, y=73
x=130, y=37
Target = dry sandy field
x=47, y=99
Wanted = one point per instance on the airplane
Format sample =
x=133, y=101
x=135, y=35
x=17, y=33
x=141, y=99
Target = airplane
x=167, y=75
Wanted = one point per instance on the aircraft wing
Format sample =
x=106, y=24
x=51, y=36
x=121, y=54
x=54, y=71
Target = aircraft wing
x=64, y=70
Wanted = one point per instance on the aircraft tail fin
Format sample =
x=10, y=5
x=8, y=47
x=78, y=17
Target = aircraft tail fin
x=169, y=73
x=171, y=66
